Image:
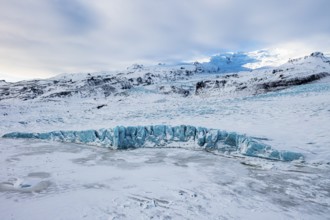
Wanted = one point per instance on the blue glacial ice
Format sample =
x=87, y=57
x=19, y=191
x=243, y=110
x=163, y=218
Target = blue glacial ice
x=228, y=62
x=183, y=136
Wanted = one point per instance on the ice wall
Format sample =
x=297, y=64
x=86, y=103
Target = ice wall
x=184, y=136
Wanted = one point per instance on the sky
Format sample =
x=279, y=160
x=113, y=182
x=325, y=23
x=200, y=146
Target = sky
x=44, y=38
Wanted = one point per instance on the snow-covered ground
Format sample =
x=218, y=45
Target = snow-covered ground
x=79, y=182
x=55, y=180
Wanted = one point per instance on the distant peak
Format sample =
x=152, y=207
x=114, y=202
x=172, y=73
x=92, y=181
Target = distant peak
x=317, y=54
x=313, y=56
x=135, y=66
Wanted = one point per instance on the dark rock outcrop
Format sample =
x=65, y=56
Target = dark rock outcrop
x=282, y=84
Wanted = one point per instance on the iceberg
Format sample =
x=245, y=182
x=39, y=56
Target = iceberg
x=183, y=136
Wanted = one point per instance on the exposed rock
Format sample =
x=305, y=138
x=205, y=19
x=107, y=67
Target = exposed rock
x=282, y=84
x=100, y=106
x=175, y=90
x=62, y=94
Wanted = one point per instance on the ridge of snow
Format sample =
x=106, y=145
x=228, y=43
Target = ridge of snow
x=166, y=136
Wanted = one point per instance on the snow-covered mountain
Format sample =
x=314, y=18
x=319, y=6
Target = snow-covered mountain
x=185, y=79
x=295, y=72
x=101, y=84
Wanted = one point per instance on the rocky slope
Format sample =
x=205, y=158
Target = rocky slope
x=185, y=80
x=295, y=72
x=97, y=84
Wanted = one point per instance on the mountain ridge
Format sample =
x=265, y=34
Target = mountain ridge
x=174, y=79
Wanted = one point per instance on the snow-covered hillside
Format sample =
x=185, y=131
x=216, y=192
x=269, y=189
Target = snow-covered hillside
x=96, y=84
x=294, y=72
x=284, y=109
x=181, y=79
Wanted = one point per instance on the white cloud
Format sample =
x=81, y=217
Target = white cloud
x=39, y=38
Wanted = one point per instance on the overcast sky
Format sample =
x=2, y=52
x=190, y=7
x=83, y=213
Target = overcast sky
x=42, y=38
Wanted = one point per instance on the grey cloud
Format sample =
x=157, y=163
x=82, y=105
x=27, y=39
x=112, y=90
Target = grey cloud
x=76, y=17
x=54, y=36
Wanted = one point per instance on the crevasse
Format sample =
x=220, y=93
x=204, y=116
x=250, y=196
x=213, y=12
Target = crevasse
x=184, y=136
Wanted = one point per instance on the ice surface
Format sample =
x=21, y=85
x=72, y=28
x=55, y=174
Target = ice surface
x=242, y=61
x=122, y=137
x=227, y=62
x=56, y=180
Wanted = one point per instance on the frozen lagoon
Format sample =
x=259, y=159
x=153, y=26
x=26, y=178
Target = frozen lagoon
x=85, y=182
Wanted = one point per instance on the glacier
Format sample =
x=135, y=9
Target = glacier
x=183, y=136
x=226, y=63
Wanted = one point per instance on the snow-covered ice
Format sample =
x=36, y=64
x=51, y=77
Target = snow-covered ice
x=85, y=182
